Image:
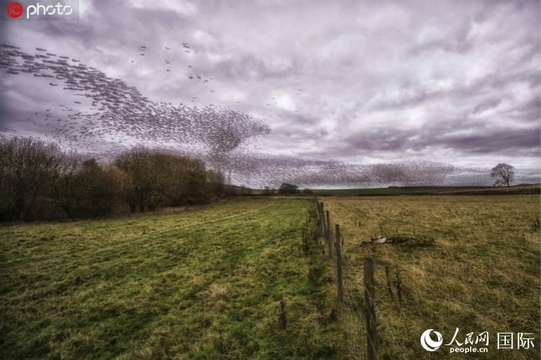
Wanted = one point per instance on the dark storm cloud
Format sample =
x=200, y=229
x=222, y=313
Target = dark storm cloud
x=381, y=140
x=486, y=105
x=529, y=111
x=525, y=142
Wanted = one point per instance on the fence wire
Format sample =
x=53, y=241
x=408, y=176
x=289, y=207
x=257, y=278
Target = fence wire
x=353, y=313
x=391, y=349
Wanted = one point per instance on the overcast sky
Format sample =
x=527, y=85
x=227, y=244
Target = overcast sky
x=341, y=84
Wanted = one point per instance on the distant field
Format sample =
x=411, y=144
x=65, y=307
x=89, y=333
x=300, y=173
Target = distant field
x=481, y=274
x=433, y=190
x=202, y=284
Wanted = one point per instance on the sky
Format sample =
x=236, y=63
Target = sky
x=319, y=93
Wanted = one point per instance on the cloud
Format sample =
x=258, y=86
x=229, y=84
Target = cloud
x=354, y=82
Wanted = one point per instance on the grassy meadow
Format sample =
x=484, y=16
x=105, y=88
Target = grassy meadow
x=203, y=284
x=209, y=283
x=481, y=273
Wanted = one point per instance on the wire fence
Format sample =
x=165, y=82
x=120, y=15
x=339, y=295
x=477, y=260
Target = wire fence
x=368, y=333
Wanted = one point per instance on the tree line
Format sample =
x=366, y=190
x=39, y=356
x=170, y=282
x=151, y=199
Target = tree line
x=39, y=181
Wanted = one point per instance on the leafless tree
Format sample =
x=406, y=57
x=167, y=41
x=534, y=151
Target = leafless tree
x=503, y=174
x=162, y=179
x=66, y=190
x=27, y=169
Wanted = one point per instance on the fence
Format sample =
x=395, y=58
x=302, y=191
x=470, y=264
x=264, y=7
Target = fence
x=358, y=308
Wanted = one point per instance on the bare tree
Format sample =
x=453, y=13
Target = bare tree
x=101, y=187
x=158, y=179
x=66, y=190
x=503, y=174
x=27, y=169
x=137, y=164
x=216, y=181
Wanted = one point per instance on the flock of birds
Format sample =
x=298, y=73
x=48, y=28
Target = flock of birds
x=191, y=73
x=112, y=108
x=107, y=110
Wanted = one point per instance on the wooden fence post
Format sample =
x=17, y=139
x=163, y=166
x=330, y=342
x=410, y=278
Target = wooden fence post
x=370, y=314
x=328, y=234
x=304, y=241
x=323, y=225
x=320, y=221
x=339, y=283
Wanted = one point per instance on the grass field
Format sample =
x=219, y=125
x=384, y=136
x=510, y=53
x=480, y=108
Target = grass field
x=480, y=274
x=434, y=190
x=207, y=284
x=202, y=284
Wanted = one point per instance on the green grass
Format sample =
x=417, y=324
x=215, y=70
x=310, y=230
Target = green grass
x=481, y=274
x=202, y=284
x=432, y=190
